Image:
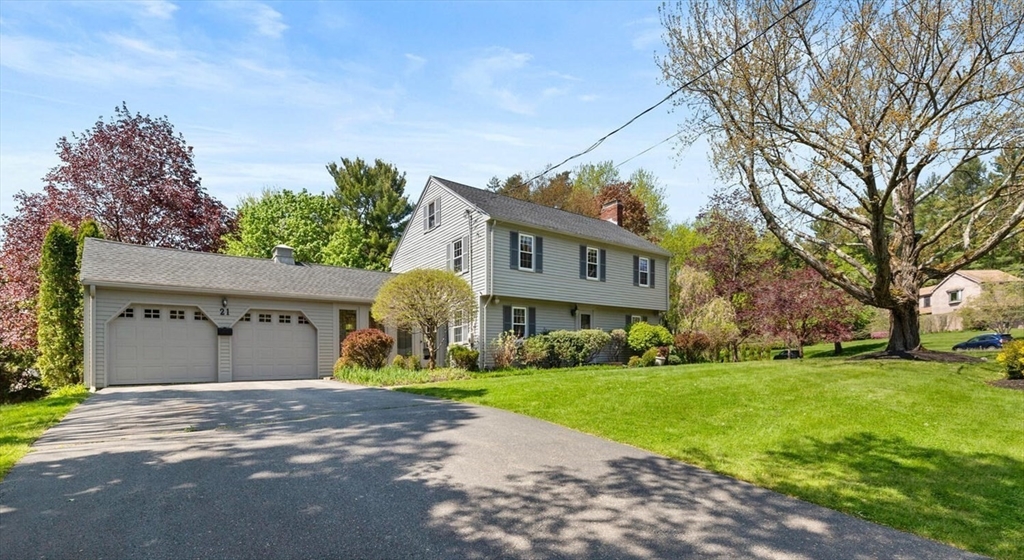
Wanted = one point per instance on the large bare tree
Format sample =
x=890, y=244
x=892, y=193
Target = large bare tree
x=833, y=118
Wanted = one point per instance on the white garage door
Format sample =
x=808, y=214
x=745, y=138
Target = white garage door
x=269, y=345
x=162, y=344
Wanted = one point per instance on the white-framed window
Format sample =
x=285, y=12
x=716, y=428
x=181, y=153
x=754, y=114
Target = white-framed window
x=457, y=252
x=151, y=313
x=128, y=313
x=519, y=321
x=592, y=263
x=287, y=319
x=302, y=320
x=431, y=221
x=266, y=318
x=525, y=251
x=247, y=318
x=636, y=319
x=644, y=265
x=956, y=296
x=177, y=314
x=459, y=328
x=586, y=321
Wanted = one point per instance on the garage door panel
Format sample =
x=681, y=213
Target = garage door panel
x=262, y=350
x=162, y=350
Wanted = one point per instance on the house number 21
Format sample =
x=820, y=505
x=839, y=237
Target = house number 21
x=225, y=311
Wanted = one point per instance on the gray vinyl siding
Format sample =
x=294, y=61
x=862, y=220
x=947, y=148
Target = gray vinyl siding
x=553, y=316
x=109, y=302
x=560, y=280
x=429, y=249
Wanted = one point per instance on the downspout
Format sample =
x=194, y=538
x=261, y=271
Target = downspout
x=489, y=243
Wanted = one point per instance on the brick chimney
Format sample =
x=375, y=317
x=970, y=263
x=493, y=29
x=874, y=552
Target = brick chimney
x=612, y=212
x=283, y=254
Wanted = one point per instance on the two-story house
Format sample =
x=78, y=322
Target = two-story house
x=942, y=300
x=533, y=268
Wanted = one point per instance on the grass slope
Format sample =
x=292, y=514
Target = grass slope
x=23, y=423
x=924, y=447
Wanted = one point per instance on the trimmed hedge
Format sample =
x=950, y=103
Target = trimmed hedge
x=463, y=357
x=644, y=336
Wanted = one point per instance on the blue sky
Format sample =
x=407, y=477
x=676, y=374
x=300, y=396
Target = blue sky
x=269, y=93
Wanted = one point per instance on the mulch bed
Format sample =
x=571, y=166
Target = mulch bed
x=921, y=355
x=1017, y=384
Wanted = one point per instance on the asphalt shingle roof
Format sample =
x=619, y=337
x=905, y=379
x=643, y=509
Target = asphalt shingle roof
x=983, y=276
x=507, y=209
x=113, y=263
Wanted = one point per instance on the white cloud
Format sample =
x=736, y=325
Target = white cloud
x=414, y=62
x=267, y=21
x=588, y=98
x=159, y=9
x=485, y=76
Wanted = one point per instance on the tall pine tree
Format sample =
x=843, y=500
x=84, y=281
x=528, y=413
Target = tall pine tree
x=375, y=198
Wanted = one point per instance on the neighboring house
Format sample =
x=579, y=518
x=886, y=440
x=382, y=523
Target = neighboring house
x=954, y=291
x=533, y=268
x=156, y=315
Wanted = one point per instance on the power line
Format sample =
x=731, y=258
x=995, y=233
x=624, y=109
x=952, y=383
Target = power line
x=627, y=160
x=670, y=96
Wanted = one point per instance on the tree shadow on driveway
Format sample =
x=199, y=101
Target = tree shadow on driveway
x=328, y=471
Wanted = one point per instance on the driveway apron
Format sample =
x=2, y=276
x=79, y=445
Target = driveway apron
x=319, y=469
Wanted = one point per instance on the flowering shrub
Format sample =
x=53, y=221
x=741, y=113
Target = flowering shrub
x=1012, y=357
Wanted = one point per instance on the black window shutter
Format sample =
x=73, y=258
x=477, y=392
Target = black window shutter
x=442, y=345
x=538, y=249
x=506, y=318
x=651, y=275
x=532, y=321
x=583, y=262
x=636, y=270
x=513, y=250
x=601, y=255
x=643, y=318
x=629, y=320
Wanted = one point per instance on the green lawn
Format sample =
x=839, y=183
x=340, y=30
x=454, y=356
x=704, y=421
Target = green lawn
x=21, y=424
x=924, y=447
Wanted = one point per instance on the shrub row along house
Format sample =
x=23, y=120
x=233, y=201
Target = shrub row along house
x=156, y=315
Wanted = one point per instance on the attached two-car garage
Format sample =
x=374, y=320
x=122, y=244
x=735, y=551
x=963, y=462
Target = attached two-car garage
x=178, y=344
x=155, y=316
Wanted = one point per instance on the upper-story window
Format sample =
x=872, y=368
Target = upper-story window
x=432, y=215
x=592, y=263
x=644, y=269
x=525, y=251
x=956, y=296
x=458, y=264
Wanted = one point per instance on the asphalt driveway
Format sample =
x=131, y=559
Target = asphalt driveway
x=319, y=469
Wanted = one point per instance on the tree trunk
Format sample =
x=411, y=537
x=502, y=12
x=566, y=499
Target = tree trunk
x=904, y=328
x=837, y=349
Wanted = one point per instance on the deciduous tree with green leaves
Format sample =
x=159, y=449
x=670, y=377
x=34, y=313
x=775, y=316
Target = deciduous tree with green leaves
x=424, y=299
x=373, y=197
x=59, y=333
x=311, y=224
